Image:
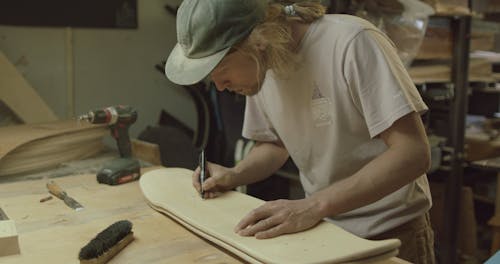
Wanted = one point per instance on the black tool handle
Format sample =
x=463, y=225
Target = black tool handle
x=120, y=133
x=125, y=116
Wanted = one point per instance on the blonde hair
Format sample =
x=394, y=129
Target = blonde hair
x=269, y=43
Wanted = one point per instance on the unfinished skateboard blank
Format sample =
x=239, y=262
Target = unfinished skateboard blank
x=170, y=191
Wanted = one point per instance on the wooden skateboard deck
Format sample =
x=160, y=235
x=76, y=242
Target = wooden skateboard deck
x=170, y=191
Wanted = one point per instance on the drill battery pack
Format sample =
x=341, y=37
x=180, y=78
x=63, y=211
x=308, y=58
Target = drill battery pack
x=118, y=171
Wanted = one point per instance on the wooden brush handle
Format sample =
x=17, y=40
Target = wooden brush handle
x=55, y=190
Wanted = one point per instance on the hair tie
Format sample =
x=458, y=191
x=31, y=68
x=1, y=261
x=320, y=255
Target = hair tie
x=290, y=10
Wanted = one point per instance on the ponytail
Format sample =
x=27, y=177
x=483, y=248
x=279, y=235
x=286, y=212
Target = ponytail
x=307, y=11
x=269, y=42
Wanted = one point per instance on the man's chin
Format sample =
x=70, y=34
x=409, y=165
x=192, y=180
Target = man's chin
x=250, y=92
x=254, y=92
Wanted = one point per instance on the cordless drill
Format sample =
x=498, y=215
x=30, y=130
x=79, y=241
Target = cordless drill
x=119, y=118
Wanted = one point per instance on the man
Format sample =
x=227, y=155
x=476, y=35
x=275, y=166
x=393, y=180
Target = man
x=327, y=90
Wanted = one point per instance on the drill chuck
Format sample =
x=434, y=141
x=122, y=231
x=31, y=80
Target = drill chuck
x=125, y=115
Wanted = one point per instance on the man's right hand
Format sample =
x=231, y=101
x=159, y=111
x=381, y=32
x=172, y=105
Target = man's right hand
x=218, y=180
x=261, y=162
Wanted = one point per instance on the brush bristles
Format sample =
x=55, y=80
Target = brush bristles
x=105, y=240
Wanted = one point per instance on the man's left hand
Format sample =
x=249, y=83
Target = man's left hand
x=280, y=217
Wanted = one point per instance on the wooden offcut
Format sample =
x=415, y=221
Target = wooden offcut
x=146, y=151
x=9, y=243
x=20, y=97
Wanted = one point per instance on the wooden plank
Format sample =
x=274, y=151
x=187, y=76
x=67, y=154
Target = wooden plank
x=449, y=7
x=479, y=70
x=437, y=43
x=20, y=97
x=54, y=233
x=7, y=117
x=146, y=151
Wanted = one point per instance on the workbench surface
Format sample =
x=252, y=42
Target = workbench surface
x=51, y=232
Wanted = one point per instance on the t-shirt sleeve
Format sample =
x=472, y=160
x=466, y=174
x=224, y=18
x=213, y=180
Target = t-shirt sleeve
x=380, y=86
x=256, y=125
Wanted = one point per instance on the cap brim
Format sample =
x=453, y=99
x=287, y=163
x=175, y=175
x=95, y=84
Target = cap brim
x=186, y=71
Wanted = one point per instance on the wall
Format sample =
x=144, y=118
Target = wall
x=77, y=69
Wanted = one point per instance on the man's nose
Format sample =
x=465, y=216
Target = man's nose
x=220, y=84
x=220, y=87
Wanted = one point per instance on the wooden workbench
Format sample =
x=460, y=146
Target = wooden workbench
x=51, y=232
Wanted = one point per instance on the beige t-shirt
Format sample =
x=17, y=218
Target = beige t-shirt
x=350, y=87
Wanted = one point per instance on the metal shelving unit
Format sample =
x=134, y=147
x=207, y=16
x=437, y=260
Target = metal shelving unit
x=448, y=109
x=460, y=26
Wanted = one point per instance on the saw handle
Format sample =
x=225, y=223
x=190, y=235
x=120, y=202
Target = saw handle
x=56, y=190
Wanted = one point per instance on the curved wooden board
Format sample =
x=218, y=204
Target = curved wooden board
x=170, y=191
x=13, y=137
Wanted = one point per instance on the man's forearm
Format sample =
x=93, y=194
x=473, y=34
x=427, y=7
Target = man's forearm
x=406, y=158
x=261, y=162
x=382, y=176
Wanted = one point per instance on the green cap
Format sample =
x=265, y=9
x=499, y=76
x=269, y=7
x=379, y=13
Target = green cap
x=206, y=31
